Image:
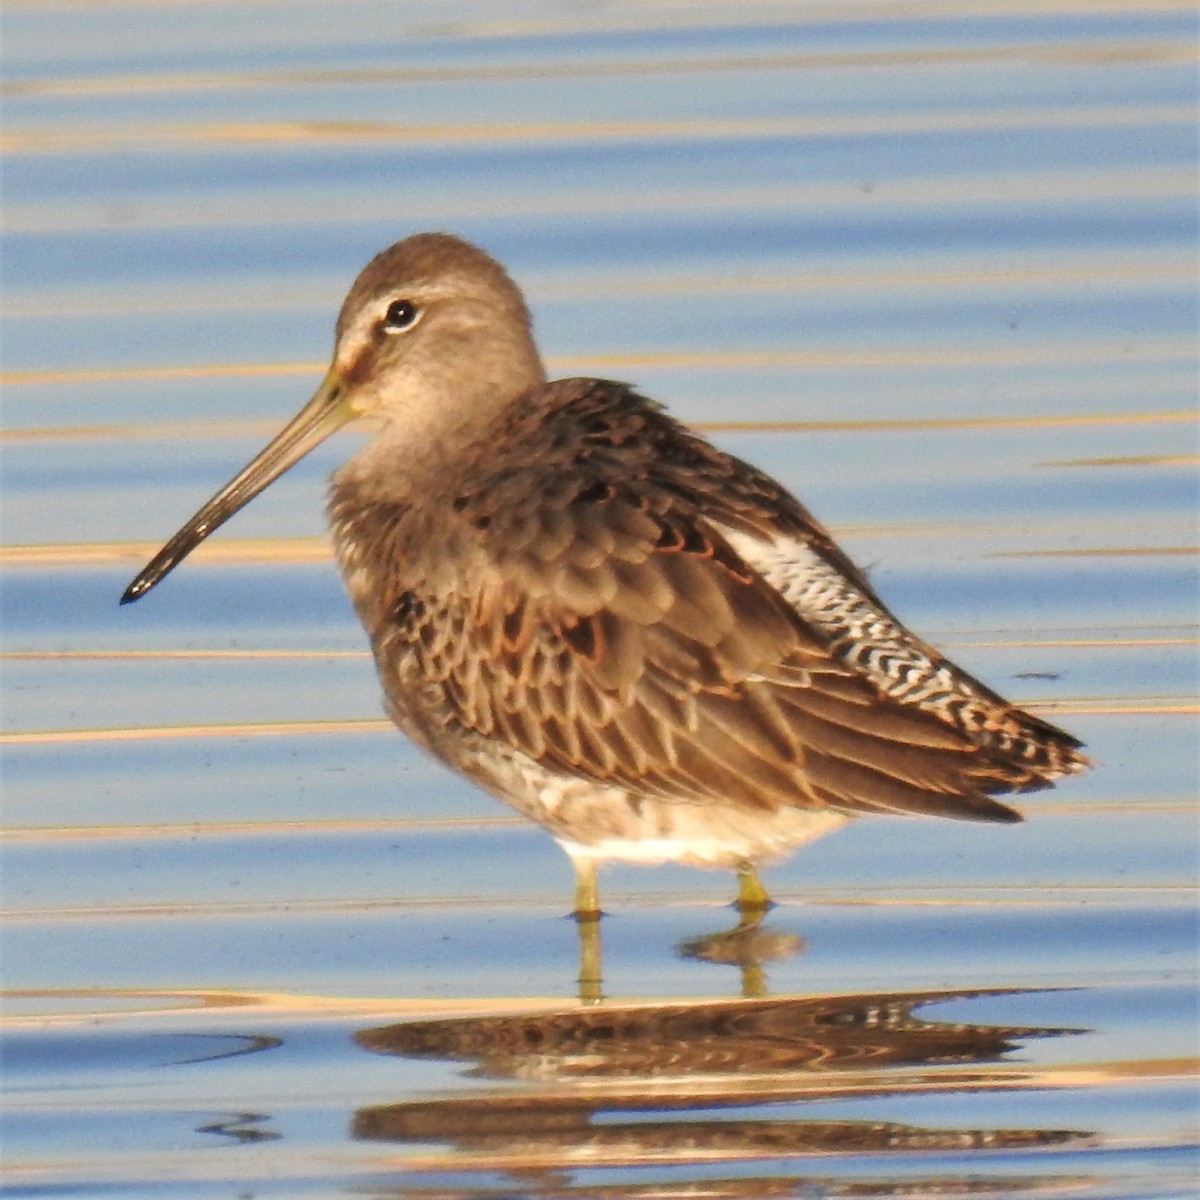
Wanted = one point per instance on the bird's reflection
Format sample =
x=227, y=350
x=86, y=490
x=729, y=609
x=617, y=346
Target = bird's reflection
x=556, y=1185
x=813, y=1035
x=748, y=946
x=681, y=1082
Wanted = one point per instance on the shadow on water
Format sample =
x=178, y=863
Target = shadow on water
x=704, y=1082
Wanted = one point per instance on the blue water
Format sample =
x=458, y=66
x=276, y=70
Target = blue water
x=933, y=268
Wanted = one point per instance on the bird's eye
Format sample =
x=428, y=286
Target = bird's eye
x=400, y=315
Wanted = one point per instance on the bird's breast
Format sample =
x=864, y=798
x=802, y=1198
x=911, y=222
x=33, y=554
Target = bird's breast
x=371, y=541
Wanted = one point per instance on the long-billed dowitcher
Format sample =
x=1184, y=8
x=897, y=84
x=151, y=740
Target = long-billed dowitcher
x=638, y=641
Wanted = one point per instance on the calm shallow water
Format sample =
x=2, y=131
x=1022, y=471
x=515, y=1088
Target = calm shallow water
x=933, y=266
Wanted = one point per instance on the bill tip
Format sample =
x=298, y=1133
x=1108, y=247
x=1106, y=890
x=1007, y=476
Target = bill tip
x=133, y=592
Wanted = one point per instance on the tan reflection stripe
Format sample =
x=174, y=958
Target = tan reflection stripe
x=106, y=85
x=293, y=551
x=1098, y=707
x=1143, y=269
x=193, y=829
x=1036, y=422
x=258, y=828
x=170, y=1003
x=1138, y=460
x=178, y=430
x=1056, y=353
x=165, y=732
x=316, y=550
x=265, y=429
x=1071, y=643
x=164, y=655
x=1056, y=897
x=151, y=137
x=228, y=550
x=1115, y=707
x=1112, y=552
x=621, y=18
x=1114, y=643
x=132, y=374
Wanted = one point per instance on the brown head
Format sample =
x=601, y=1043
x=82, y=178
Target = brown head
x=433, y=329
x=432, y=335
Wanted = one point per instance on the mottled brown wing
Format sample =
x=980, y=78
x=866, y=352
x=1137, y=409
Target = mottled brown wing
x=575, y=597
x=632, y=646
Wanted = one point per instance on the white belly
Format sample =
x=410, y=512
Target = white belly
x=700, y=836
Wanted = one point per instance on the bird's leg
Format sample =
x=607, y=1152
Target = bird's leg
x=587, y=896
x=752, y=905
x=590, y=983
x=587, y=920
x=752, y=899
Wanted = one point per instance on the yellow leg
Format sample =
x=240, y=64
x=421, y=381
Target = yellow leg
x=590, y=983
x=752, y=896
x=754, y=982
x=587, y=895
x=587, y=920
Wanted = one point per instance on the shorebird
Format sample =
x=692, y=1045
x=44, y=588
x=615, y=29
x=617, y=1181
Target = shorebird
x=644, y=644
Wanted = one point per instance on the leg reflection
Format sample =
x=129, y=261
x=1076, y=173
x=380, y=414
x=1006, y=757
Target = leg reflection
x=590, y=982
x=747, y=945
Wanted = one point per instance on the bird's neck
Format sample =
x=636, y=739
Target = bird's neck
x=421, y=451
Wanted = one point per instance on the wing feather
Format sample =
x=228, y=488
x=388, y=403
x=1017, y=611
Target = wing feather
x=602, y=622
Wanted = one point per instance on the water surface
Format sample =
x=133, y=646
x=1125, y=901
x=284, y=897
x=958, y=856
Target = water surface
x=931, y=265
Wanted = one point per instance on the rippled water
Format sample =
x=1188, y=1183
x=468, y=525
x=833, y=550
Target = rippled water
x=932, y=265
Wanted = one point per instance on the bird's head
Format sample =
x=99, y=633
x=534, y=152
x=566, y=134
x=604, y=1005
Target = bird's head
x=432, y=335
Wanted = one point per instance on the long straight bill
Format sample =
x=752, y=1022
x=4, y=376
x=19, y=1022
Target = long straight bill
x=325, y=413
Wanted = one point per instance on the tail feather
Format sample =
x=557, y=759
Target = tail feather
x=1027, y=751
